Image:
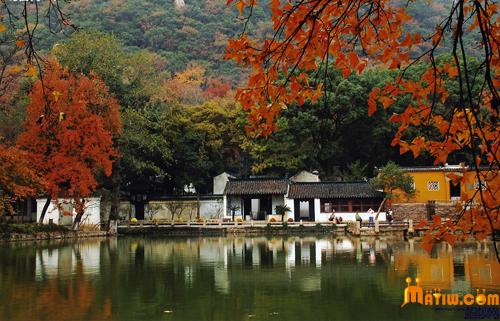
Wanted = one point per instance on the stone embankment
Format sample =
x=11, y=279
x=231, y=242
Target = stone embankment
x=228, y=229
x=56, y=235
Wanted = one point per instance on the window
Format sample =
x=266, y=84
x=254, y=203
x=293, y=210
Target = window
x=356, y=205
x=433, y=185
x=482, y=184
x=327, y=206
x=343, y=205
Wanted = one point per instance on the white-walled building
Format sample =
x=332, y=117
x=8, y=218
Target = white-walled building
x=318, y=201
x=304, y=194
x=254, y=198
x=91, y=216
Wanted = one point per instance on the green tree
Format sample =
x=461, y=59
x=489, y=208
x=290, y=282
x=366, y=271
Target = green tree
x=132, y=76
x=355, y=171
x=391, y=178
x=333, y=133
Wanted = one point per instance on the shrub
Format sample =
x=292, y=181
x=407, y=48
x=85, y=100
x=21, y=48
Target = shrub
x=272, y=220
x=30, y=228
x=290, y=220
x=133, y=220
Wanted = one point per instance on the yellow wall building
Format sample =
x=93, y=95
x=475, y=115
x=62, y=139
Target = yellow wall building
x=433, y=184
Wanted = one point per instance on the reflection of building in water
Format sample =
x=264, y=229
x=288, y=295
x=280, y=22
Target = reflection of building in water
x=447, y=268
x=314, y=251
x=433, y=272
x=483, y=273
x=62, y=261
x=47, y=262
x=90, y=256
x=221, y=280
x=343, y=245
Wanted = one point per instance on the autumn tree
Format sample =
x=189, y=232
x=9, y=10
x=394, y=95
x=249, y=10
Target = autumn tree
x=70, y=125
x=18, y=178
x=185, y=86
x=352, y=35
x=134, y=78
x=216, y=88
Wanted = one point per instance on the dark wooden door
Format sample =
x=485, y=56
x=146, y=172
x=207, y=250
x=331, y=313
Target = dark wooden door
x=139, y=211
x=247, y=206
x=311, y=210
x=296, y=210
x=266, y=207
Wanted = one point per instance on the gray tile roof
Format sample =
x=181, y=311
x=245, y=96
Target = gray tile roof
x=454, y=168
x=359, y=189
x=447, y=168
x=257, y=186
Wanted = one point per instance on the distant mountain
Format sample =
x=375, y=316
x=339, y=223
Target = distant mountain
x=182, y=31
x=185, y=31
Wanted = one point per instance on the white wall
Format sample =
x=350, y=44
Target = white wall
x=219, y=182
x=91, y=216
x=209, y=208
x=305, y=176
x=323, y=217
x=289, y=202
x=364, y=216
x=317, y=210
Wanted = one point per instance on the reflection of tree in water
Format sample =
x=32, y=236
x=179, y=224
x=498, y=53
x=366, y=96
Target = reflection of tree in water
x=53, y=299
x=217, y=278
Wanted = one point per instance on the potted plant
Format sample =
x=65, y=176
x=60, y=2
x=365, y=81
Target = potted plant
x=282, y=210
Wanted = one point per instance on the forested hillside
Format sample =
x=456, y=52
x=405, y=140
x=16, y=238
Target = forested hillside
x=163, y=62
x=196, y=31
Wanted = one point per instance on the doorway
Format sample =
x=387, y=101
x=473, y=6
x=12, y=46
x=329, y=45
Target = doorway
x=139, y=211
x=304, y=210
x=454, y=190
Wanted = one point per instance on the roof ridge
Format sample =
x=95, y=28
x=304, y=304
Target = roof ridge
x=257, y=178
x=332, y=182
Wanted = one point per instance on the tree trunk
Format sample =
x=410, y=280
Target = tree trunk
x=380, y=208
x=44, y=210
x=76, y=222
x=80, y=210
x=114, y=212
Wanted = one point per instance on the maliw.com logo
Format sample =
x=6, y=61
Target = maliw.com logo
x=481, y=305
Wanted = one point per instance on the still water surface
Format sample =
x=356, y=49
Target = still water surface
x=233, y=278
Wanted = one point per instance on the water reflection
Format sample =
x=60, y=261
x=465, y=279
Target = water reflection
x=231, y=278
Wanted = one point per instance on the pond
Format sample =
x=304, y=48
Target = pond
x=234, y=278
